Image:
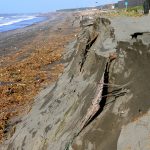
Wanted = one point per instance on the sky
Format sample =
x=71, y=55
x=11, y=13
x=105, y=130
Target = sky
x=33, y=6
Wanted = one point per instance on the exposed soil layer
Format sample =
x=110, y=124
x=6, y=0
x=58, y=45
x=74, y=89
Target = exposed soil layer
x=32, y=66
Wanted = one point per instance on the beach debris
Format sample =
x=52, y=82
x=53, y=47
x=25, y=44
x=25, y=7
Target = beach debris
x=22, y=79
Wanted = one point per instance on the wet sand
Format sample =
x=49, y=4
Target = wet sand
x=30, y=59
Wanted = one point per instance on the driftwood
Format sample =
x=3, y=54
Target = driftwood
x=92, y=110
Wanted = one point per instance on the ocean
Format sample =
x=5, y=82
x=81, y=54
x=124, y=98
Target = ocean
x=16, y=21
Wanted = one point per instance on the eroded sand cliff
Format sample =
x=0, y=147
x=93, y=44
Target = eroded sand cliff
x=101, y=101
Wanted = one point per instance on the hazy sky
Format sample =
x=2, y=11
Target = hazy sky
x=23, y=6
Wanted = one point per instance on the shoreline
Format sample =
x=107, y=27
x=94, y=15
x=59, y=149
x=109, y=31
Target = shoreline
x=20, y=24
x=25, y=33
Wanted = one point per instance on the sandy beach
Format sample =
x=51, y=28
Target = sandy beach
x=30, y=59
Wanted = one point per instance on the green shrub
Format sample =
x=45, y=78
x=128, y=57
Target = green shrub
x=135, y=9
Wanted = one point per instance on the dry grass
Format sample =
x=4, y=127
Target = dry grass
x=130, y=12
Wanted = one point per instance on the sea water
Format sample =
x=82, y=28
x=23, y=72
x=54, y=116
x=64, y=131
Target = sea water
x=15, y=21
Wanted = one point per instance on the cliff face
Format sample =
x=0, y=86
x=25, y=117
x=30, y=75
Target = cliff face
x=104, y=87
x=124, y=123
